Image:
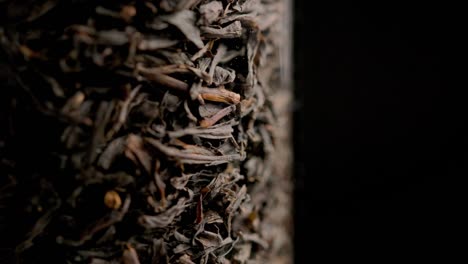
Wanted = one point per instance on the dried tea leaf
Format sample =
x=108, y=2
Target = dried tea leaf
x=155, y=43
x=243, y=253
x=135, y=151
x=185, y=259
x=111, y=152
x=248, y=18
x=164, y=79
x=212, y=241
x=255, y=238
x=223, y=76
x=252, y=48
x=159, y=252
x=157, y=24
x=181, y=248
x=181, y=238
x=130, y=256
x=246, y=5
x=233, y=30
x=192, y=158
x=124, y=108
x=160, y=183
x=240, y=196
x=99, y=261
x=165, y=218
x=180, y=182
x=212, y=217
x=39, y=9
x=210, y=121
x=210, y=12
x=112, y=37
x=229, y=147
x=204, y=63
x=220, y=132
x=39, y=226
x=185, y=21
x=74, y=102
x=219, y=95
x=208, y=109
x=174, y=5
x=177, y=58
x=220, y=52
x=170, y=102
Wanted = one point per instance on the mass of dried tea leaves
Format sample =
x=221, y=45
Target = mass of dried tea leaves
x=144, y=132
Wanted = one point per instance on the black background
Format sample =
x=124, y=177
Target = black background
x=379, y=131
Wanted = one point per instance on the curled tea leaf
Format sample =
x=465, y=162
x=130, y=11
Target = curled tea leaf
x=130, y=256
x=211, y=11
x=185, y=21
x=155, y=43
x=233, y=30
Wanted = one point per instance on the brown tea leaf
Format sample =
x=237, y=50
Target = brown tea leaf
x=163, y=219
x=209, y=240
x=135, y=151
x=115, y=148
x=112, y=37
x=40, y=9
x=255, y=238
x=211, y=11
x=159, y=252
x=233, y=30
x=223, y=76
x=185, y=21
x=210, y=121
x=219, y=132
x=191, y=158
x=130, y=256
x=246, y=5
x=209, y=109
x=185, y=259
x=164, y=79
x=174, y=5
x=155, y=43
x=219, y=95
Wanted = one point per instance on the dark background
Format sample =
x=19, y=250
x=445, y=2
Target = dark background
x=379, y=131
